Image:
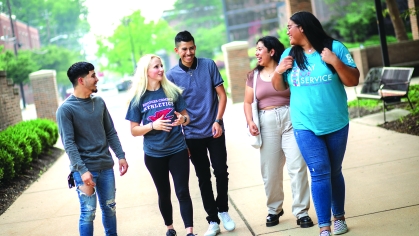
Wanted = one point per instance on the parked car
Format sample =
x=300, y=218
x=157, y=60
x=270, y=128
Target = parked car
x=124, y=85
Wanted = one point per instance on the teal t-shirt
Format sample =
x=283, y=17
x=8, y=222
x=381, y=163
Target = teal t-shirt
x=318, y=98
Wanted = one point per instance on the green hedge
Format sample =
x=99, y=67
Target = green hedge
x=22, y=143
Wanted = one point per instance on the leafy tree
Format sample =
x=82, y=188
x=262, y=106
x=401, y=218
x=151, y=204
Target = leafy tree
x=18, y=68
x=132, y=39
x=53, y=18
x=204, y=19
x=353, y=21
x=56, y=58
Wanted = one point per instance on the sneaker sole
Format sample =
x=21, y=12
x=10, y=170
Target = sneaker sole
x=341, y=232
x=217, y=232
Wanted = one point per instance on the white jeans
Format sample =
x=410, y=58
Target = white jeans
x=279, y=146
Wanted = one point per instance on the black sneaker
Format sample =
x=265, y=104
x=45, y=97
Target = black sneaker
x=190, y=234
x=305, y=222
x=171, y=232
x=272, y=220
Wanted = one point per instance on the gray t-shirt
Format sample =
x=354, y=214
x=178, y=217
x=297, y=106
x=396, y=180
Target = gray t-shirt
x=152, y=106
x=87, y=131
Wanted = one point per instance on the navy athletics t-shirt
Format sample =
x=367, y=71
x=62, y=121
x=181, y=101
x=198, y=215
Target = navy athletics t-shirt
x=152, y=106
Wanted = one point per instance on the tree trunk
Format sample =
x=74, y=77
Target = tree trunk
x=397, y=21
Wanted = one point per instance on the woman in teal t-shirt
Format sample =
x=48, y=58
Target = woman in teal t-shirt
x=316, y=69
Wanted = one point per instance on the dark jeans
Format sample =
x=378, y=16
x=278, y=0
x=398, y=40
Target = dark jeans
x=178, y=165
x=218, y=156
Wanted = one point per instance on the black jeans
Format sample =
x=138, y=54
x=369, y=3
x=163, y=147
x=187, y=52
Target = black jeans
x=218, y=156
x=178, y=165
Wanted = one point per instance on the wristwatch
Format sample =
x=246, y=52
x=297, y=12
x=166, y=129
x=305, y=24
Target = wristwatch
x=219, y=121
x=185, y=118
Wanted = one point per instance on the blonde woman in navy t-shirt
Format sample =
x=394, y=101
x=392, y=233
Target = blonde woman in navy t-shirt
x=158, y=111
x=278, y=141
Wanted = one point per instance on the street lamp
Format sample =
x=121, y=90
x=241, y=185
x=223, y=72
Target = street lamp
x=15, y=44
x=127, y=23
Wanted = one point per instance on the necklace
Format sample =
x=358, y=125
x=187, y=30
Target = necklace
x=269, y=74
x=310, y=50
x=85, y=108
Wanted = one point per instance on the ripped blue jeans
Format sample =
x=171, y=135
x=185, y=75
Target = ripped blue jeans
x=105, y=193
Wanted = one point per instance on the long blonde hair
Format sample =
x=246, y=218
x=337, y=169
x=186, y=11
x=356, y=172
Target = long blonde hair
x=141, y=81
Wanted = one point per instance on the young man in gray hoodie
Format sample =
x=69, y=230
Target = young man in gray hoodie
x=87, y=131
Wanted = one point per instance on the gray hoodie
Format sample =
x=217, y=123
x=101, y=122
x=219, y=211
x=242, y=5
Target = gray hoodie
x=87, y=131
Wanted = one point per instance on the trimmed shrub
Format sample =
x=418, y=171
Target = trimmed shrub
x=22, y=143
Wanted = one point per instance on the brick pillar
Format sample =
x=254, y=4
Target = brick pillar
x=237, y=66
x=414, y=19
x=10, y=112
x=292, y=6
x=361, y=61
x=45, y=93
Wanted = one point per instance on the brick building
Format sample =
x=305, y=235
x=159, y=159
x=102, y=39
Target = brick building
x=27, y=36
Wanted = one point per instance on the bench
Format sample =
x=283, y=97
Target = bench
x=388, y=84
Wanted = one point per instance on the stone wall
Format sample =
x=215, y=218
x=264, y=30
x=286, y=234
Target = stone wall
x=400, y=54
x=10, y=112
x=45, y=93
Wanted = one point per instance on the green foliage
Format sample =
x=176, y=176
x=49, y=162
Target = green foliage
x=7, y=170
x=352, y=21
x=56, y=58
x=414, y=98
x=414, y=11
x=146, y=37
x=367, y=103
x=47, y=58
x=283, y=37
x=22, y=143
x=53, y=18
x=204, y=19
x=18, y=68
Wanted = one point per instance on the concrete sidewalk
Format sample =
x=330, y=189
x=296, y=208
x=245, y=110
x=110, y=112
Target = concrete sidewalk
x=380, y=169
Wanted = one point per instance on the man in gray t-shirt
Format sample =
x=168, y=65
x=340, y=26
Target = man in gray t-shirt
x=87, y=131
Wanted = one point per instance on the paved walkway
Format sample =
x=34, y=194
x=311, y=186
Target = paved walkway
x=380, y=169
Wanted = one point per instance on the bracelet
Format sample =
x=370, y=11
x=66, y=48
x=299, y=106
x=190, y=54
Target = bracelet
x=185, y=118
x=151, y=124
x=280, y=73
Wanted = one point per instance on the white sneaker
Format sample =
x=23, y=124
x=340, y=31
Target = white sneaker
x=213, y=229
x=228, y=223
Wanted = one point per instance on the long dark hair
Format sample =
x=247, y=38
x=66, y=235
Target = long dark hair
x=315, y=34
x=271, y=42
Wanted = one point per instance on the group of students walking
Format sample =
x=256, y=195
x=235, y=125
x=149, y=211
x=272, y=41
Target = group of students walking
x=180, y=115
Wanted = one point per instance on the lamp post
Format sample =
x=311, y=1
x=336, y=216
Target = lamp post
x=12, y=25
x=382, y=33
x=15, y=45
x=134, y=61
